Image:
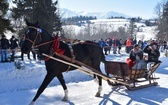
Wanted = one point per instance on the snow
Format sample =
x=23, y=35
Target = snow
x=144, y=33
x=18, y=87
x=147, y=33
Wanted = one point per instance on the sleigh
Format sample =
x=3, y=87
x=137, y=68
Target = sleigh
x=118, y=73
x=136, y=79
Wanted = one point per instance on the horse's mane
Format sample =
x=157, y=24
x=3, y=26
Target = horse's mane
x=47, y=33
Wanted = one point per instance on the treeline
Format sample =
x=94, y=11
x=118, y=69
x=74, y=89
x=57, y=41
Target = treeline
x=77, y=20
x=80, y=20
x=148, y=22
x=117, y=17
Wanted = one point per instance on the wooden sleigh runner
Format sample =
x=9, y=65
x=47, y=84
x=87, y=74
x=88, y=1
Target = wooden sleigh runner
x=136, y=79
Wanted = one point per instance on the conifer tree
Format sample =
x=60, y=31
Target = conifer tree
x=4, y=21
x=132, y=28
x=43, y=11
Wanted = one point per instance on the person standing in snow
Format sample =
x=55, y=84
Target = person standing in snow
x=119, y=45
x=129, y=45
x=4, y=48
x=13, y=46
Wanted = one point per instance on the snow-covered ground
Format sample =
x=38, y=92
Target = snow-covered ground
x=18, y=87
x=147, y=33
x=144, y=33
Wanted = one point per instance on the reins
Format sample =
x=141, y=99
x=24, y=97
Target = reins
x=44, y=43
x=38, y=33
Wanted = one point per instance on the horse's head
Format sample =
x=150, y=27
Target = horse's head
x=32, y=37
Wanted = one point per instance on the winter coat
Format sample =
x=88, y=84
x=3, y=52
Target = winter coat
x=13, y=42
x=4, y=43
x=133, y=55
x=153, y=56
x=128, y=42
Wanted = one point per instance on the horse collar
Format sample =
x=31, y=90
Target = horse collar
x=56, y=46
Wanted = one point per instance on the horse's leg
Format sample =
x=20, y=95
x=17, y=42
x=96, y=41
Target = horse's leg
x=48, y=78
x=96, y=65
x=100, y=87
x=108, y=81
x=95, y=78
x=62, y=81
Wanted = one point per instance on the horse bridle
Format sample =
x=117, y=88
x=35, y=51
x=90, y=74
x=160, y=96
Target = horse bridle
x=38, y=31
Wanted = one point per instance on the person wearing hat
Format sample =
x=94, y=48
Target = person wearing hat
x=153, y=55
x=4, y=48
x=136, y=55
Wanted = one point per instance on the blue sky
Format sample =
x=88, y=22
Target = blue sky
x=135, y=8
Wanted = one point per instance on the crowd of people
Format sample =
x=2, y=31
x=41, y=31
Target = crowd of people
x=136, y=50
x=11, y=46
x=116, y=43
x=109, y=43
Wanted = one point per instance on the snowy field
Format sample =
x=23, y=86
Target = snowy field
x=18, y=87
x=111, y=25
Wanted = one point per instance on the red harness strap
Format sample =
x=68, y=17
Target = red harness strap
x=55, y=47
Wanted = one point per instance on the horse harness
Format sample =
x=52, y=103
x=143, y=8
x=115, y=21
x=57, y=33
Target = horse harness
x=54, y=48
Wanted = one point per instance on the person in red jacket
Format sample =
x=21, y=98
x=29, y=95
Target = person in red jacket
x=129, y=45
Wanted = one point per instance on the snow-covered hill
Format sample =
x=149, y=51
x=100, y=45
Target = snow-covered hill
x=65, y=13
x=112, y=25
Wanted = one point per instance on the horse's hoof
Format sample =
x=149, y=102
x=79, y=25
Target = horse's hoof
x=97, y=95
x=65, y=99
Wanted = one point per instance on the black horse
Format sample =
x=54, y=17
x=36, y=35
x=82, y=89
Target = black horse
x=89, y=53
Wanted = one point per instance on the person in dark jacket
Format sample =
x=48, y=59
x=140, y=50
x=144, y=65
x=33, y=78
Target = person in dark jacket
x=4, y=48
x=153, y=55
x=136, y=55
x=119, y=45
x=13, y=46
